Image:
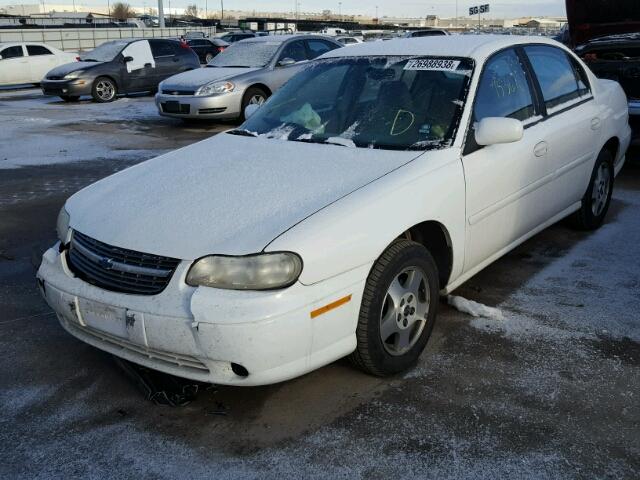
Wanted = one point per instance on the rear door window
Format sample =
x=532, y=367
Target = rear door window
x=318, y=47
x=161, y=48
x=503, y=90
x=555, y=74
x=34, y=50
x=12, y=52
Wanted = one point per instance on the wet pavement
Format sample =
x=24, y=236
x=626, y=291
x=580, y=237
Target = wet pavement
x=551, y=391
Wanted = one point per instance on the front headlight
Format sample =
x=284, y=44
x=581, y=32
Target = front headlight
x=215, y=88
x=264, y=271
x=73, y=75
x=62, y=225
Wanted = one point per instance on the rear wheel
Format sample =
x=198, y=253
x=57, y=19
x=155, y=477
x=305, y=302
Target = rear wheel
x=398, y=309
x=253, y=96
x=70, y=98
x=208, y=57
x=104, y=90
x=597, y=199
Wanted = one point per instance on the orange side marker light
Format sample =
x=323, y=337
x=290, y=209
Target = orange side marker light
x=331, y=306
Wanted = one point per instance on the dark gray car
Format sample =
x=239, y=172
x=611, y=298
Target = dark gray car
x=247, y=72
x=120, y=67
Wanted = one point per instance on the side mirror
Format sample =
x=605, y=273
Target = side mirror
x=494, y=130
x=285, y=62
x=128, y=59
x=250, y=110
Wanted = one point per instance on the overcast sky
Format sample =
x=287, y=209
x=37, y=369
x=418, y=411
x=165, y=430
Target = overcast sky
x=443, y=8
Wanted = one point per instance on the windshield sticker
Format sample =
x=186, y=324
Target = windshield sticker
x=432, y=64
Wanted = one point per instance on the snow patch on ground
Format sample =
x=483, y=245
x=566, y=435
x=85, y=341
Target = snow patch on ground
x=474, y=308
x=34, y=129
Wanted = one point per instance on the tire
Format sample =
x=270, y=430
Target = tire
x=70, y=98
x=253, y=95
x=208, y=57
x=597, y=198
x=389, y=295
x=104, y=90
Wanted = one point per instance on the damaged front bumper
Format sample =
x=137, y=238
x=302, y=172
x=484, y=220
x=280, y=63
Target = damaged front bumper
x=205, y=334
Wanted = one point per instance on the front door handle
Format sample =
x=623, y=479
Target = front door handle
x=595, y=123
x=540, y=150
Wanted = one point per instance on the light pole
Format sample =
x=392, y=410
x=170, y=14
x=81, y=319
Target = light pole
x=377, y=13
x=221, y=10
x=160, y=14
x=340, y=11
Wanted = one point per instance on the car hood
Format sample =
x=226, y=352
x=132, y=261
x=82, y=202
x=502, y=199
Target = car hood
x=590, y=19
x=194, y=79
x=227, y=195
x=67, y=68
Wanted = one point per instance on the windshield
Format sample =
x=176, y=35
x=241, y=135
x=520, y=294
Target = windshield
x=105, y=52
x=395, y=103
x=246, y=54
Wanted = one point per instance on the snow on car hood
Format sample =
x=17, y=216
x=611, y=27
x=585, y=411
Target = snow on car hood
x=225, y=195
x=201, y=76
x=67, y=68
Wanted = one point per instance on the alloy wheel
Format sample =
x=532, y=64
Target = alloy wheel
x=257, y=100
x=601, y=186
x=105, y=90
x=404, y=311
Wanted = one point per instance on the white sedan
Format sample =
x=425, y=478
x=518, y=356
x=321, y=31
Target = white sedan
x=330, y=222
x=28, y=62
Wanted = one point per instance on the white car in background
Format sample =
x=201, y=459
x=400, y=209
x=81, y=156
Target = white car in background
x=328, y=224
x=347, y=41
x=28, y=62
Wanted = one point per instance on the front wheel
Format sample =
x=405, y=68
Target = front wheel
x=597, y=198
x=253, y=96
x=104, y=90
x=398, y=309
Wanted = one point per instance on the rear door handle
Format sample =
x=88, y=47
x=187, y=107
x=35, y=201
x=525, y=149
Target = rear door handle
x=595, y=123
x=540, y=150
x=176, y=59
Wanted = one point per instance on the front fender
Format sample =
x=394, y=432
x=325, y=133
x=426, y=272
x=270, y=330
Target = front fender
x=355, y=230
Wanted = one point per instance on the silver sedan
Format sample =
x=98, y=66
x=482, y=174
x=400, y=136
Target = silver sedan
x=247, y=72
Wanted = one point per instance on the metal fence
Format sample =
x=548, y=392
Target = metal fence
x=81, y=39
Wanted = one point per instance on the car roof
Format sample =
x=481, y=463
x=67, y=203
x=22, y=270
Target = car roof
x=14, y=44
x=284, y=38
x=478, y=47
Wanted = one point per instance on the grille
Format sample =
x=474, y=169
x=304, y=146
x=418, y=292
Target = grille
x=55, y=77
x=186, y=363
x=118, y=269
x=178, y=92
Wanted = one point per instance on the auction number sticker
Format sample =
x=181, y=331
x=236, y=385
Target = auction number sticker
x=432, y=64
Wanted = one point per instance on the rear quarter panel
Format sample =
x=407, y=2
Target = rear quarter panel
x=614, y=114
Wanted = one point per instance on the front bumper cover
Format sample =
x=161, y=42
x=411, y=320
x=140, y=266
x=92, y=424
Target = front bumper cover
x=72, y=88
x=198, y=333
x=223, y=106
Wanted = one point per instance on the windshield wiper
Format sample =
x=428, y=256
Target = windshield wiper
x=242, y=133
x=317, y=140
x=89, y=60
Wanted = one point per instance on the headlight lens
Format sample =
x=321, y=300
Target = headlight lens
x=265, y=271
x=72, y=75
x=62, y=224
x=214, y=88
